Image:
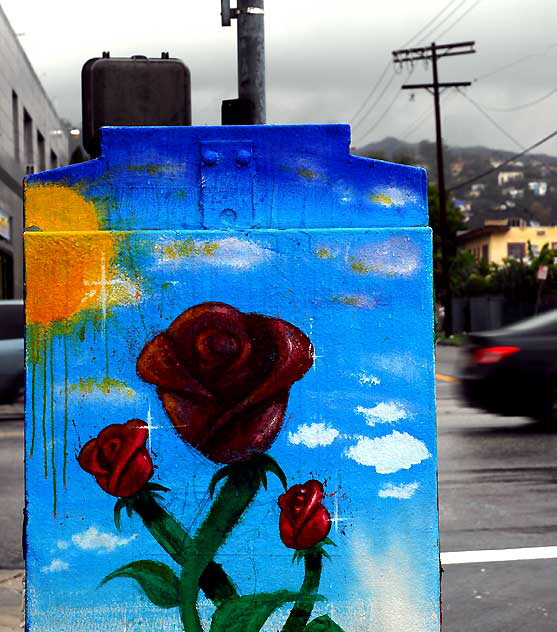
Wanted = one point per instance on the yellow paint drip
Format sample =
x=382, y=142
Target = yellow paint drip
x=381, y=198
x=105, y=386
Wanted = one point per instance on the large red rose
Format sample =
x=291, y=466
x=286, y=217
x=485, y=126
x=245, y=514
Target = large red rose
x=304, y=521
x=118, y=458
x=224, y=376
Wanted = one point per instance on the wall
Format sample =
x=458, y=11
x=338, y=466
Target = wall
x=537, y=235
x=17, y=76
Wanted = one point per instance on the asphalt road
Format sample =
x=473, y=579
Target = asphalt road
x=498, y=490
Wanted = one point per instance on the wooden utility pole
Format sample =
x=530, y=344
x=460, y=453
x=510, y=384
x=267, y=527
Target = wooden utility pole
x=433, y=53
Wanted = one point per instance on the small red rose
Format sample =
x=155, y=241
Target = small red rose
x=224, y=377
x=118, y=458
x=304, y=521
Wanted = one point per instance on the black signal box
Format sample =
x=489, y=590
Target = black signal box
x=133, y=91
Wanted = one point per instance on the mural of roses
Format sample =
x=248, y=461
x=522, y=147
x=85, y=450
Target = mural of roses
x=304, y=520
x=118, y=458
x=224, y=377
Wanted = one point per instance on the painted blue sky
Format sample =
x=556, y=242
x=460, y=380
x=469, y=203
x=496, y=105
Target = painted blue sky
x=362, y=420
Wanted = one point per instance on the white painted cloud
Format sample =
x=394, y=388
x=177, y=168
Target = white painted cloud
x=63, y=545
x=397, y=256
x=388, y=454
x=313, y=435
x=231, y=252
x=391, y=196
x=402, y=491
x=399, y=598
x=368, y=379
x=384, y=412
x=94, y=540
x=401, y=364
x=55, y=566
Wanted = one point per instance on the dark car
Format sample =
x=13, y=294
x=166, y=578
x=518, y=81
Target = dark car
x=513, y=370
x=12, y=371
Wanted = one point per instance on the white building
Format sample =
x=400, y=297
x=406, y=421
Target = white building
x=538, y=188
x=32, y=138
x=504, y=177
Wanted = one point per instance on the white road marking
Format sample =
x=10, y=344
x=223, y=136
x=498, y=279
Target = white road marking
x=499, y=555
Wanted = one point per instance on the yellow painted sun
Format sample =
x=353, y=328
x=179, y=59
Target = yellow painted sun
x=68, y=261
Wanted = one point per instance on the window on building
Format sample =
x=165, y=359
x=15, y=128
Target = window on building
x=516, y=250
x=41, y=147
x=485, y=253
x=554, y=245
x=28, y=139
x=15, y=125
x=53, y=159
x=535, y=249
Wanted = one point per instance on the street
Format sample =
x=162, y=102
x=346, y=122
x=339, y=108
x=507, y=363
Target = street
x=496, y=483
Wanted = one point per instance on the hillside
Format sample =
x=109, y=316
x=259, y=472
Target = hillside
x=524, y=189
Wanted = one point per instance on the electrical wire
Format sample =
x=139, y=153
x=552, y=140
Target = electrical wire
x=387, y=109
x=376, y=85
x=428, y=35
x=516, y=62
x=370, y=93
x=503, y=164
x=524, y=105
x=490, y=119
x=445, y=96
x=458, y=19
x=426, y=26
x=376, y=101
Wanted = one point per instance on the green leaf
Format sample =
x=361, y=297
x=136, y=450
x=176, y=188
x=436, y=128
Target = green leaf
x=249, y=613
x=272, y=466
x=120, y=504
x=157, y=488
x=218, y=476
x=158, y=581
x=323, y=624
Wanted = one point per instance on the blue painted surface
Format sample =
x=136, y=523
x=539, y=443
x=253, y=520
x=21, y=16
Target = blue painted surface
x=312, y=248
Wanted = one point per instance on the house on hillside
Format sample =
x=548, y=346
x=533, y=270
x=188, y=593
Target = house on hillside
x=508, y=238
x=32, y=138
x=538, y=188
x=504, y=177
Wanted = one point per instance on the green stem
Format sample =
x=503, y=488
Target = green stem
x=173, y=538
x=302, y=609
x=234, y=497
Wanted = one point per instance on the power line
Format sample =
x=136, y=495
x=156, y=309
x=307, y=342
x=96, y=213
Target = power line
x=385, y=111
x=524, y=105
x=371, y=92
x=516, y=62
x=503, y=164
x=490, y=119
x=376, y=85
x=422, y=118
x=447, y=17
x=426, y=26
x=376, y=101
x=458, y=19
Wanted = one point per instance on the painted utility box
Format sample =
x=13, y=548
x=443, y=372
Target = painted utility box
x=230, y=418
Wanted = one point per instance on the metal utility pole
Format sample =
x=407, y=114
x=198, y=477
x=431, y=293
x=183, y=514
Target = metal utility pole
x=249, y=108
x=433, y=53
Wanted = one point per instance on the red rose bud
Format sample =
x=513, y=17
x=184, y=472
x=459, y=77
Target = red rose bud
x=224, y=377
x=118, y=458
x=304, y=521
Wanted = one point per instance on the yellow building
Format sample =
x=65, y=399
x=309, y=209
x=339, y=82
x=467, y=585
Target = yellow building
x=498, y=240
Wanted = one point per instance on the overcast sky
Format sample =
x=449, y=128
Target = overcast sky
x=323, y=58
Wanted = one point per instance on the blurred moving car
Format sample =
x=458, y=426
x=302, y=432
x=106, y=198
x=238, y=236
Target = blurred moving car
x=513, y=370
x=12, y=371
